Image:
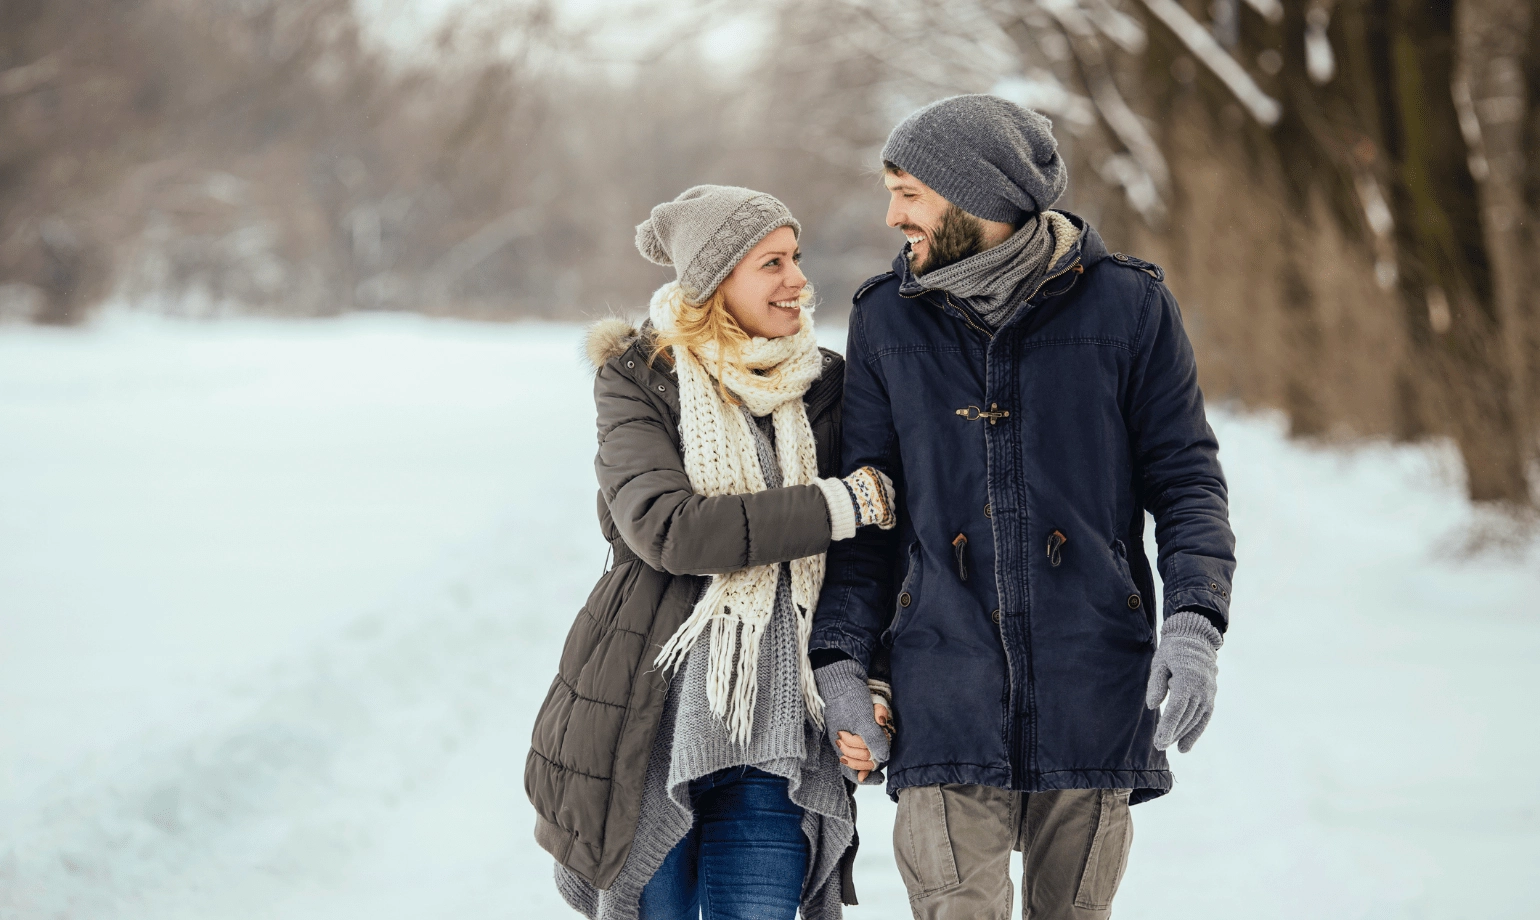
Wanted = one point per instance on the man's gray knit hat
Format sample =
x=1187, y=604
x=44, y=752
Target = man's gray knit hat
x=706, y=232
x=987, y=155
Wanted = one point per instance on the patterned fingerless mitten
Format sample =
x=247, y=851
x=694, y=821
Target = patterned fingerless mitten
x=864, y=497
x=871, y=495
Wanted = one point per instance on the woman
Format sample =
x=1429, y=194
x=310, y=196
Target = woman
x=679, y=765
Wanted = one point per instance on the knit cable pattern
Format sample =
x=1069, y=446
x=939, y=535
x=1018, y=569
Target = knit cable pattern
x=754, y=220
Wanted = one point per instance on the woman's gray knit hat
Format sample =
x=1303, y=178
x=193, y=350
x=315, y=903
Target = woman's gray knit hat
x=706, y=232
x=987, y=155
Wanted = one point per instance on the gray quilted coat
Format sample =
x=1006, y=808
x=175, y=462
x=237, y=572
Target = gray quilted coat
x=588, y=757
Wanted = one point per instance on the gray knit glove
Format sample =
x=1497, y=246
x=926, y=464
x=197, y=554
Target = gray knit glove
x=1186, y=664
x=847, y=706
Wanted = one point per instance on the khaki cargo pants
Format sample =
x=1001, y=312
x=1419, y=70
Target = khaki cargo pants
x=953, y=845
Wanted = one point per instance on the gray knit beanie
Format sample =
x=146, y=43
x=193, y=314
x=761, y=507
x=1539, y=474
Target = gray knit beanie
x=706, y=232
x=987, y=155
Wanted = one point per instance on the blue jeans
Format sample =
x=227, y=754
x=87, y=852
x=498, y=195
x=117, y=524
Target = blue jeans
x=744, y=859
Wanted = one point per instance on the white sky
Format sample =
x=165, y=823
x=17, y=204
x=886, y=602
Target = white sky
x=616, y=28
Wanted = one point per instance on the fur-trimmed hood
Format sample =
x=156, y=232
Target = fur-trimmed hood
x=608, y=338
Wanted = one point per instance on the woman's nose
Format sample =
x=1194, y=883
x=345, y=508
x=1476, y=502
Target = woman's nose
x=796, y=279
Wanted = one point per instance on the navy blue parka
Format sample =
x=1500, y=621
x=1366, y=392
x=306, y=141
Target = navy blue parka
x=1015, y=598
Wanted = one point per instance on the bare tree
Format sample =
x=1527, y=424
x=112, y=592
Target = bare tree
x=1343, y=190
x=1318, y=173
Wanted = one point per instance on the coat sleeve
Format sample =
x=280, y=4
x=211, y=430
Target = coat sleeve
x=642, y=478
x=855, y=605
x=1177, y=459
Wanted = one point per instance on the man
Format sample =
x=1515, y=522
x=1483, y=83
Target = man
x=1031, y=395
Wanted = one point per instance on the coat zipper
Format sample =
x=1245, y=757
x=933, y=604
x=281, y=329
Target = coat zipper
x=1066, y=270
x=969, y=317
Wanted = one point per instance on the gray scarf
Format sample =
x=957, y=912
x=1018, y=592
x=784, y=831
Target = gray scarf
x=997, y=280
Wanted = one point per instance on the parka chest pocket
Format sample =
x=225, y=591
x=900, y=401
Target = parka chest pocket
x=908, y=597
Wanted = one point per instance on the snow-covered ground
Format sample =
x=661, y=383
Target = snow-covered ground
x=278, y=601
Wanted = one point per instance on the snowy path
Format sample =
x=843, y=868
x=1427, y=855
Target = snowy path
x=277, y=602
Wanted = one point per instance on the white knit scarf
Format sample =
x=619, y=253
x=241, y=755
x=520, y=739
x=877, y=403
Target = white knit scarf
x=770, y=377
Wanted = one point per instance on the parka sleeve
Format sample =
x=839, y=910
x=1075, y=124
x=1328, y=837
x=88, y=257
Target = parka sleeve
x=1177, y=459
x=856, y=603
x=661, y=518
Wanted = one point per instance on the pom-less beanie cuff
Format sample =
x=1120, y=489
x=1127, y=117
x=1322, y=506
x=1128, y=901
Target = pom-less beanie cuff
x=1000, y=201
x=707, y=231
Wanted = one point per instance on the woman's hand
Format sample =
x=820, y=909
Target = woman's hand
x=853, y=751
x=871, y=492
x=864, y=497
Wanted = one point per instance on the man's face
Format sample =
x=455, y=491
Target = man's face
x=939, y=232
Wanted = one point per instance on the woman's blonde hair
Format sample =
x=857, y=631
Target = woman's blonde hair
x=702, y=323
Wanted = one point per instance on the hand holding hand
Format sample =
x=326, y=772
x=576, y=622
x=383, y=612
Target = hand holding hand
x=854, y=754
x=851, y=720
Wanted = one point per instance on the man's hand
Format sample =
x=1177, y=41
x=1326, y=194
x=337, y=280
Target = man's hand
x=1186, y=665
x=851, y=719
x=853, y=751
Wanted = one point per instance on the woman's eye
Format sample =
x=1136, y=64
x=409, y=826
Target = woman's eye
x=772, y=263
x=797, y=258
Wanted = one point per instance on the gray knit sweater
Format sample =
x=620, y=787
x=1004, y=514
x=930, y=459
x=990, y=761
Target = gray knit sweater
x=691, y=743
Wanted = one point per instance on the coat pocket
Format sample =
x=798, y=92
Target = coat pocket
x=908, y=596
x=1133, y=600
x=1108, y=855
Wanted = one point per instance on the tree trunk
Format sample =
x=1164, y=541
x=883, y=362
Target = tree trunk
x=1446, y=271
x=1491, y=99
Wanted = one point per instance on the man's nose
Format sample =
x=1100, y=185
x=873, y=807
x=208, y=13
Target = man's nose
x=896, y=215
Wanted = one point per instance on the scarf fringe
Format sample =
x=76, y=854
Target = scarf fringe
x=721, y=458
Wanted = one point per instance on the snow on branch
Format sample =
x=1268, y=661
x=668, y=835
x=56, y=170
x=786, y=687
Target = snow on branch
x=1262, y=107
x=1320, y=63
x=1041, y=91
x=1271, y=10
x=1470, y=128
x=1143, y=171
x=1097, y=76
x=1124, y=30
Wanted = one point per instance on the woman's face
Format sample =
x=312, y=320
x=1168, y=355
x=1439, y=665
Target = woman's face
x=762, y=291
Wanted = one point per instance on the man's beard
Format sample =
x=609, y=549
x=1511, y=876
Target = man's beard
x=957, y=236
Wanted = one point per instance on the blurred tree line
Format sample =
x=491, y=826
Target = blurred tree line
x=1342, y=191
